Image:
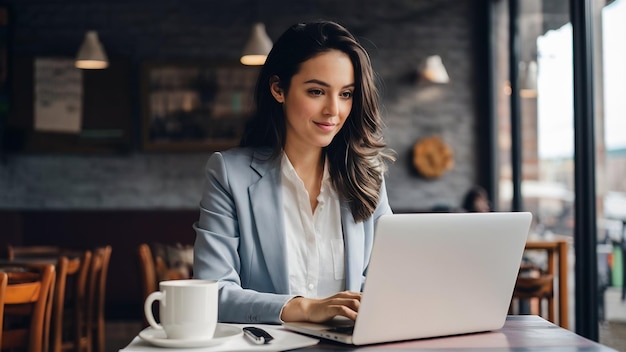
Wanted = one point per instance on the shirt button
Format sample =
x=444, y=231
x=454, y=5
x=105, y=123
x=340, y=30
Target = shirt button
x=311, y=286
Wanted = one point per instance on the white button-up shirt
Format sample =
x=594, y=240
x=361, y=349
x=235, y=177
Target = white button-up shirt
x=315, y=250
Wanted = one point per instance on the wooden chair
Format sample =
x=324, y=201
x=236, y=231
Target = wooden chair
x=27, y=306
x=69, y=311
x=147, y=271
x=542, y=286
x=154, y=267
x=148, y=276
x=35, y=254
x=539, y=288
x=3, y=289
x=68, y=324
x=96, y=294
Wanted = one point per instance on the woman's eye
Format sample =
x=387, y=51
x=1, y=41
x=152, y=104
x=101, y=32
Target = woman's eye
x=347, y=95
x=315, y=92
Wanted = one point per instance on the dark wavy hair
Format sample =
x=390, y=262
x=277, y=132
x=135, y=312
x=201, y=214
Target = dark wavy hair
x=357, y=154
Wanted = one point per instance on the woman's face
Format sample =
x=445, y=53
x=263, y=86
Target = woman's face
x=318, y=101
x=481, y=204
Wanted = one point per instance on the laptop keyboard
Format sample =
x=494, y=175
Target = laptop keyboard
x=343, y=329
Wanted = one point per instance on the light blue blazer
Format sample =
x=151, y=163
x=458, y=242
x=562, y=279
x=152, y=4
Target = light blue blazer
x=240, y=237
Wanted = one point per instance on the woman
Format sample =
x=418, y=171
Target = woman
x=476, y=200
x=287, y=220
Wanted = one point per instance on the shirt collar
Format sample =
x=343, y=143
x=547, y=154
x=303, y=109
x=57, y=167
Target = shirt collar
x=288, y=171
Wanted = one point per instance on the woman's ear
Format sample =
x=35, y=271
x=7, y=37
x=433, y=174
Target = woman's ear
x=276, y=90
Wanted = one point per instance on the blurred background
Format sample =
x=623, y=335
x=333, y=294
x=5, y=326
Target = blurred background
x=116, y=155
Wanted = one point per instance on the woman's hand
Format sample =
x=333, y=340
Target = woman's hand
x=344, y=303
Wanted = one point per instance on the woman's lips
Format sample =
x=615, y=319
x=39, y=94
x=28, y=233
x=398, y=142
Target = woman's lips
x=325, y=126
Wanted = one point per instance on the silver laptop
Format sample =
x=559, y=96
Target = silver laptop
x=434, y=275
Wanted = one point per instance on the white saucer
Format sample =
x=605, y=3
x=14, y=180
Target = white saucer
x=222, y=334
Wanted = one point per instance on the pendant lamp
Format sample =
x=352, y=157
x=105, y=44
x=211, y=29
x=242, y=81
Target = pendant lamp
x=258, y=46
x=91, y=54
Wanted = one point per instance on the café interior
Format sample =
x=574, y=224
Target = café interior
x=106, y=162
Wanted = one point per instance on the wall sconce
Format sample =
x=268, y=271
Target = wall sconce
x=258, y=46
x=91, y=54
x=434, y=71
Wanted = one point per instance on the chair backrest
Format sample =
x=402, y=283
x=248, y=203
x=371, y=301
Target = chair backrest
x=159, y=262
x=28, y=294
x=37, y=254
x=3, y=289
x=147, y=272
x=96, y=294
x=70, y=303
x=538, y=282
x=67, y=324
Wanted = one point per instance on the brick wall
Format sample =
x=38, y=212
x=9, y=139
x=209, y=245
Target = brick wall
x=398, y=34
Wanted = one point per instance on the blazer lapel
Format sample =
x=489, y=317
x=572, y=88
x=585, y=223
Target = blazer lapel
x=269, y=220
x=354, y=240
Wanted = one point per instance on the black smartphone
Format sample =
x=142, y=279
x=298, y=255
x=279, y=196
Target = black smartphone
x=257, y=335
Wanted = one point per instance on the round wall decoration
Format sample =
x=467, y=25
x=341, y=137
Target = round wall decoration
x=432, y=157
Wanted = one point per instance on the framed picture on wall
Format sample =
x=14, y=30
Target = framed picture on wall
x=195, y=106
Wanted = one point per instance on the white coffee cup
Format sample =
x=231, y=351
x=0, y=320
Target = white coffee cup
x=187, y=310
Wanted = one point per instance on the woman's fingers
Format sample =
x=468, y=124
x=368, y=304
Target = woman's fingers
x=347, y=294
x=326, y=309
x=346, y=311
x=344, y=303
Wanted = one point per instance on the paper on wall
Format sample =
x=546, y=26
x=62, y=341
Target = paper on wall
x=58, y=95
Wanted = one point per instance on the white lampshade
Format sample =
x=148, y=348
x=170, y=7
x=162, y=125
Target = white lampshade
x=91, y=54
x=258, y=46
x=434, y=70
